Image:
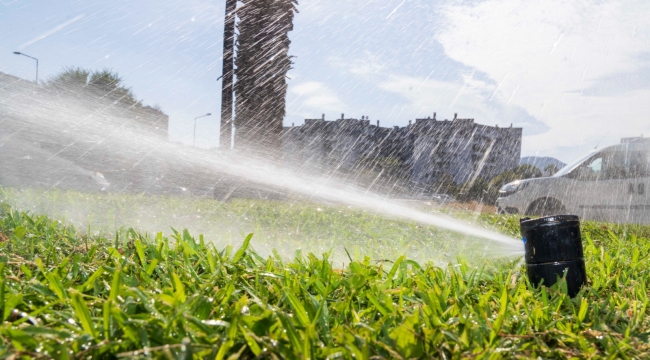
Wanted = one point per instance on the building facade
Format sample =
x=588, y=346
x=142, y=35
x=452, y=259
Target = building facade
x=427, y=152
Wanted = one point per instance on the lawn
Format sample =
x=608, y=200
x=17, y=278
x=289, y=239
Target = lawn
x=279, y=226
x=67, y=293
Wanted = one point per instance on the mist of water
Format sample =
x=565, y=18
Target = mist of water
x=73, y=127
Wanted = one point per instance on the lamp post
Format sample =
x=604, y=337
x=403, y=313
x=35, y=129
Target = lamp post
x=227, y=75
x=198, y=117
x=31, y=57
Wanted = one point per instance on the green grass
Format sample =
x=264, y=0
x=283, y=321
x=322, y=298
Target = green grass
x=278, y=226
x=67, y=295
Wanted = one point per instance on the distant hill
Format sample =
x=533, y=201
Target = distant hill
x=541, y=162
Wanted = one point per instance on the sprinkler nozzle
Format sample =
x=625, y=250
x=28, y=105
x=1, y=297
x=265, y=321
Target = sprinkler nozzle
x=554, y=249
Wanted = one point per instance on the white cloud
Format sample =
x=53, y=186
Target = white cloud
x=366, y=65
x=433, y=94
x=470, y=98
x=544, y=54
x=310, y=98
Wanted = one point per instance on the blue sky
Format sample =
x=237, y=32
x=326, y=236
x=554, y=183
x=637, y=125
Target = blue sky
x=572, y=73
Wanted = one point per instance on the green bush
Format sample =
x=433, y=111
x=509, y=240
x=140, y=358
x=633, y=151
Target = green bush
x=487, y=191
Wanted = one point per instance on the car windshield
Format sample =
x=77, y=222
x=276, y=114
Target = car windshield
x=568, y=168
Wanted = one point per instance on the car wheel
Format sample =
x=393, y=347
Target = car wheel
x=546, y=207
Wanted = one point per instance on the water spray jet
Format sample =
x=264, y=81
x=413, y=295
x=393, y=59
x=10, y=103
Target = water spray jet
x=93, y=134
x=553, y=248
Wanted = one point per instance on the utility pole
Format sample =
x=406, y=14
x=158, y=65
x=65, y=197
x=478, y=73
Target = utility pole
x=227, y=74
x=196, y=118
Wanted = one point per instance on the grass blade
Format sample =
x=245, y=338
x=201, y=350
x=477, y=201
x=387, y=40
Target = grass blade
x=242, y=250
x=82, y=312
x=496, y=326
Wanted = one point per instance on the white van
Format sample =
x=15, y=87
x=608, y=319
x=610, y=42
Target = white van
x=609, y=184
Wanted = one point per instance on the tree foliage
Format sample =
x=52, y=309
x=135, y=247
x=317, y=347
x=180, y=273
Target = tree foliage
x=71, y=78
x=550, y=169
x=525, y=171
x=99, y=84
x=262, y=64
x=487, y=191
x=445, y=184
x=477, y=190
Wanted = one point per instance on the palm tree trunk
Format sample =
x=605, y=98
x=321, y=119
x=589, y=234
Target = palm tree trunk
x=262, y=65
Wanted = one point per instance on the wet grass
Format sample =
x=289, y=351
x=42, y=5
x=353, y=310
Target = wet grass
x=67, y=295
x=282, y=226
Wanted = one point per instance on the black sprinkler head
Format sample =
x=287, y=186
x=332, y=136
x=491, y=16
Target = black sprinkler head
x=554, y=248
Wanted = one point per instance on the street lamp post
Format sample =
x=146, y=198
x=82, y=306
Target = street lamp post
x=31, y=57
x=227, y=73
x=198, y=117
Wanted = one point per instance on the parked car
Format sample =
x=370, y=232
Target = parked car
x=609, y=184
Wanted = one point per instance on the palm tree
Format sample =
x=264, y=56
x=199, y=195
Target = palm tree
x=262, y=65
